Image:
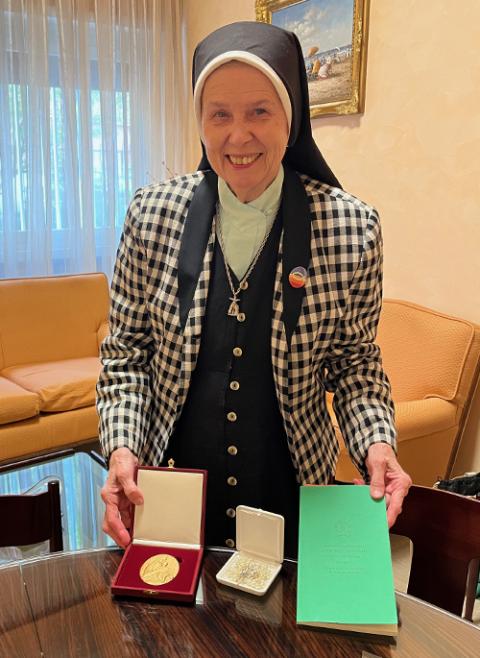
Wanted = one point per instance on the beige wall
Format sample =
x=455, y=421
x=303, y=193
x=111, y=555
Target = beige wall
x=414, y=153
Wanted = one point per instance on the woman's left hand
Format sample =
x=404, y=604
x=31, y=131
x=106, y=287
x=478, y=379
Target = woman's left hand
x=387, y=478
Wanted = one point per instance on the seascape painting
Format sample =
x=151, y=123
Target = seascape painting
x=327, y=31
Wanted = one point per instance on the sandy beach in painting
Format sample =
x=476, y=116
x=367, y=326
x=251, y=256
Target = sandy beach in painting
x=337, y=87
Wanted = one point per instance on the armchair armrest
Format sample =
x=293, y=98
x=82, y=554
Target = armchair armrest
x=426, y=429
x=102, y=333
x=414, y=418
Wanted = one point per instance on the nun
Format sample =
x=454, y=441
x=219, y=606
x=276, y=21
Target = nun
x=242, y=293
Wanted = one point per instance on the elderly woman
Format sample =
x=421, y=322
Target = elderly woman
x=241, y=294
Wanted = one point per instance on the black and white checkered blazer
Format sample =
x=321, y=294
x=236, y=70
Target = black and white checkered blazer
x=322, y=335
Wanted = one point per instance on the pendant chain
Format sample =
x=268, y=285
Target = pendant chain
x=234, y=308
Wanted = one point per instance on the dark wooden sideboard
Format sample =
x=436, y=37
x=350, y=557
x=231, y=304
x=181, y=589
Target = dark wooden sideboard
x=61, y=605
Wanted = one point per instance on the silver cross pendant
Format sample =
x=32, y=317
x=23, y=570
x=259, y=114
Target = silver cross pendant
x=233, y=309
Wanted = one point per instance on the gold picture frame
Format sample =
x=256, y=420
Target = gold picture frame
x=336, y=71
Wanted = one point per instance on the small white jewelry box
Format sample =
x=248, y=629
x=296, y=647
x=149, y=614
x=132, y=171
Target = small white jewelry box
x=259, y=555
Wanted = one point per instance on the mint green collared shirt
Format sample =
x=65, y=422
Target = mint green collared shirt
x=245, y=225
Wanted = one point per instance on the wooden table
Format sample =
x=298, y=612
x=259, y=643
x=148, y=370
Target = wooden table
x=61, y=605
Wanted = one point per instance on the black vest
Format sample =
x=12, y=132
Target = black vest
x=231, y=424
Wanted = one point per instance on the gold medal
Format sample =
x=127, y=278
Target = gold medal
x=159, y=569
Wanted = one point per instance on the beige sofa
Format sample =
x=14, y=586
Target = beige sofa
x=50, y=332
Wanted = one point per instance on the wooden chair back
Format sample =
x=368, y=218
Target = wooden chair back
x=445, y=531
x=30, y=519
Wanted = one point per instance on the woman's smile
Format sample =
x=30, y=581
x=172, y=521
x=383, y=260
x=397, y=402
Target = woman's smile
x=243, y=160
x=244, y=128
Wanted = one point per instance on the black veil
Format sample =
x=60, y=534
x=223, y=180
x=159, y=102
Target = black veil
x=281, y=50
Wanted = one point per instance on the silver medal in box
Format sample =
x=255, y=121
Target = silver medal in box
x=258, y=559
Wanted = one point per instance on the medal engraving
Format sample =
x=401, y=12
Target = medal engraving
x=253, y=573
x=159, y=569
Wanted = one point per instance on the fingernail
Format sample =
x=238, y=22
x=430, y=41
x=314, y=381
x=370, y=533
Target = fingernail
x=377, y=493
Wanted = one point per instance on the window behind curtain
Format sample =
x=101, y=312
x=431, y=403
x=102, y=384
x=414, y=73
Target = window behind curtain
x=90, y=109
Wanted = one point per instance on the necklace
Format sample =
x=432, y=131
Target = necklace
x=234, y=307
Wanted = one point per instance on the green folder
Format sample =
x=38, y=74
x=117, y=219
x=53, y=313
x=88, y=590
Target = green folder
x=345, y=577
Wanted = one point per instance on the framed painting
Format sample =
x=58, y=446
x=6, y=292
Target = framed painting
x=333, y=36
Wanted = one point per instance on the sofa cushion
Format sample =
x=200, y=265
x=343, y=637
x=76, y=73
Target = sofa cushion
x=16, y=402
x=59, y=385
x=48, y=432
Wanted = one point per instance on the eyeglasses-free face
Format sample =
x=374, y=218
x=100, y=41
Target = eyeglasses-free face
x=244, y=128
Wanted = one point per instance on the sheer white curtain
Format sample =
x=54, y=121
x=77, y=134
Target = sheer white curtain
x=93, y=104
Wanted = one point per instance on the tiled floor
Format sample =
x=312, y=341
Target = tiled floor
x=401, y=557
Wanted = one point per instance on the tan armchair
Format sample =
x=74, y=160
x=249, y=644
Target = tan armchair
x=433, y=362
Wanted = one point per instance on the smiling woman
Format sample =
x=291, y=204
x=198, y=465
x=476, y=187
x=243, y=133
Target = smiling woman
x=241, y=294
x=244, y=128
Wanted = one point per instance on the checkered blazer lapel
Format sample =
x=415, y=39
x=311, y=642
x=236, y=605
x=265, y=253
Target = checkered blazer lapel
x=296, y=221
x=196, y=237
x=294, y=250
x=194, y=266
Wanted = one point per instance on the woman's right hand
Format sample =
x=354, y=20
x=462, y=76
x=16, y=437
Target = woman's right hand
x=118, y=494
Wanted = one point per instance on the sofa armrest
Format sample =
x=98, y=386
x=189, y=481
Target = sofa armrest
x=102, y=333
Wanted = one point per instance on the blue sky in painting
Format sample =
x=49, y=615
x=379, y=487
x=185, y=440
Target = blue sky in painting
x=323, y=23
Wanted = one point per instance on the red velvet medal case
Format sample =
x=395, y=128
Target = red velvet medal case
x=170, y=522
